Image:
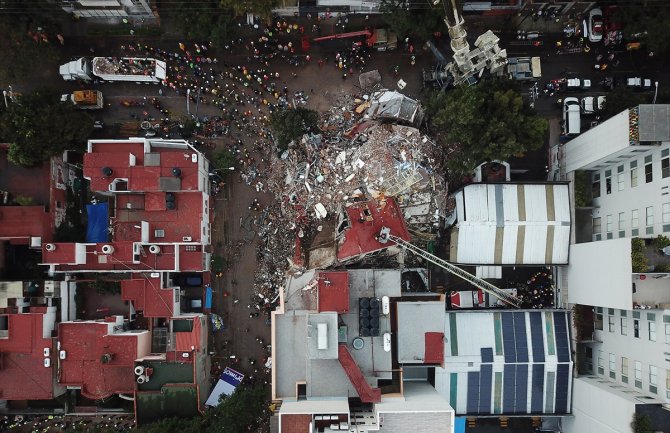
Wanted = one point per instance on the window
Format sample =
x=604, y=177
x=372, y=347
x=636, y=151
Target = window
x=665, y=164
x=633, y=174
x=636, y=328
x=601, y=363
x=665, y=216
x=635, y=222
x=620, y=177
x=599, y=318
x=666, y=322
x=610, y=323
x=652, y=331
x=597, y=228
x=648, y=169
x=649, y=219
x=638, y=374
x=608, y=226
x=624, y=326
x=612, y=365
x=608, y=181
x=667, y=383
x=653, y=379
x=624, y=369
x=622, y=224
x=595, y=185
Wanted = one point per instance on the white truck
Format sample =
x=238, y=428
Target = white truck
x=134, y=69
x=85, y=99
x=476, y=299
x=524, y=68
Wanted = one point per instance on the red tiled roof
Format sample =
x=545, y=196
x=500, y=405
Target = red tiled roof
x=23, y=375
x=366, y=220
x=176, y=224
x=295, y=423
x=23, y=221
x=116, y=155
x=333, y=291
x=187, y=340
x=366, y=393
x=148, y=296
x=85, y=343
x=434, y=349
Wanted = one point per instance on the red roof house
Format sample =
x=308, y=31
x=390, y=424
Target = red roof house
x=99, y=359
x=28, y=360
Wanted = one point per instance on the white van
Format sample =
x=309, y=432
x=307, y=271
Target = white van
x=572, y=121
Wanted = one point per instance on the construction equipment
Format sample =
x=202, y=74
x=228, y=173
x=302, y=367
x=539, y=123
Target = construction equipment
x=385, y=236
x=85, y=99
x=378, y=39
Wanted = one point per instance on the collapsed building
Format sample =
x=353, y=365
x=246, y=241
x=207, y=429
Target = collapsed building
x=328, y=185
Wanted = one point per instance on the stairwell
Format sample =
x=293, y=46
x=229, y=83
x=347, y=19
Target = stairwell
x=366, y=393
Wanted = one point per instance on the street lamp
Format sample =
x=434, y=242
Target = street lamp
x=4, y=95
x=188, y=98
x=219, y=169
x=655, y=92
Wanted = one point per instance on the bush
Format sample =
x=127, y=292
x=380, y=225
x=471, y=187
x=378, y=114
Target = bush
x=641, y=423
x=662, y=267
x=638, y=259
x=581, y=189
x=661, y=242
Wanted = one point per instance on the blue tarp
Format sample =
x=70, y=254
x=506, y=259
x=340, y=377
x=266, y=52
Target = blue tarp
x=459, y=425
x=208, y=297
x=97, y=229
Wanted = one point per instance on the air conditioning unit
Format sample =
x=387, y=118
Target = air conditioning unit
x=50, y=247
x=107, y=249
x=185, y=355
x=142, y=379
x=139, y=370
x=154, y=249
x=47, y=362
x=47, y=351
x=62, y=354
x=187, y=239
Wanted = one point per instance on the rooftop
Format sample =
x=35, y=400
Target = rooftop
x=333, y=292
x=24, y=221
x=148, y=296
x=511, y=224
x=98, y=359
x=296, y=356
x=365, y=221
x=23, y=375
x=420, y=324
x=123, y=256
x=143, y=165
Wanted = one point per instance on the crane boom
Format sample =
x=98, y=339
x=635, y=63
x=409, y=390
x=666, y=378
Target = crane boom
x=489, y=288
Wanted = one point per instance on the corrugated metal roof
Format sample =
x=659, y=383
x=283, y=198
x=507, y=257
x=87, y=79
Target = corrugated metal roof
x=509, y=224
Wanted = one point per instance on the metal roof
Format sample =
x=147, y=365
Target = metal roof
x=415, y=321
x=654, y=122
x=512, y=224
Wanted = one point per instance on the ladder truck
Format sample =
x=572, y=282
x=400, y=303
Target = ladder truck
x=385, y=236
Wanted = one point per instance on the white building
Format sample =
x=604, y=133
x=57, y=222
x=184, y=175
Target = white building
x=110, y=9
x=626, y=164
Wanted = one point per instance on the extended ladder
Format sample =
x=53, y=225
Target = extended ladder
x=489, y=288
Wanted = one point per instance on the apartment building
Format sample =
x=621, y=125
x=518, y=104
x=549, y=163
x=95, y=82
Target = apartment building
x=617, y=275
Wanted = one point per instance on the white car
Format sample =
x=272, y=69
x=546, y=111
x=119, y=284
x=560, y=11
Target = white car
x=596, y=25
x=591, y=104
x=578, y=84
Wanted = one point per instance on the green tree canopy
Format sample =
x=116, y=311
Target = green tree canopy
x=262, y=8
x=488, y=121
x=407, y=22
x=206, y=20
x=38, y=126
x=292, y=123
x=648, y=22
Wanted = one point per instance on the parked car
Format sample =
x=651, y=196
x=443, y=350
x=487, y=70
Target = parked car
x=578, y=84
x=596, y=25
x=572, y=121
x=591, y=104
x=638, y=83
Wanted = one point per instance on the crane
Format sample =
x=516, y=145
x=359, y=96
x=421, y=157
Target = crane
x=386, y=236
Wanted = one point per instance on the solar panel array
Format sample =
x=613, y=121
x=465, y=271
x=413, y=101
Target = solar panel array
x=519, y=369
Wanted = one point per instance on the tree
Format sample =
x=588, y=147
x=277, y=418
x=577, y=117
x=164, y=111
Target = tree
x=39, y=126
x=243, y=411
x=622, y=98
x=641, y=423
x=262, y=8
x=205, y=20
x=489, y=121
x=408, y=22
x=292, y=123
x=23, y=50
x=648, y=22
x=223, y=160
